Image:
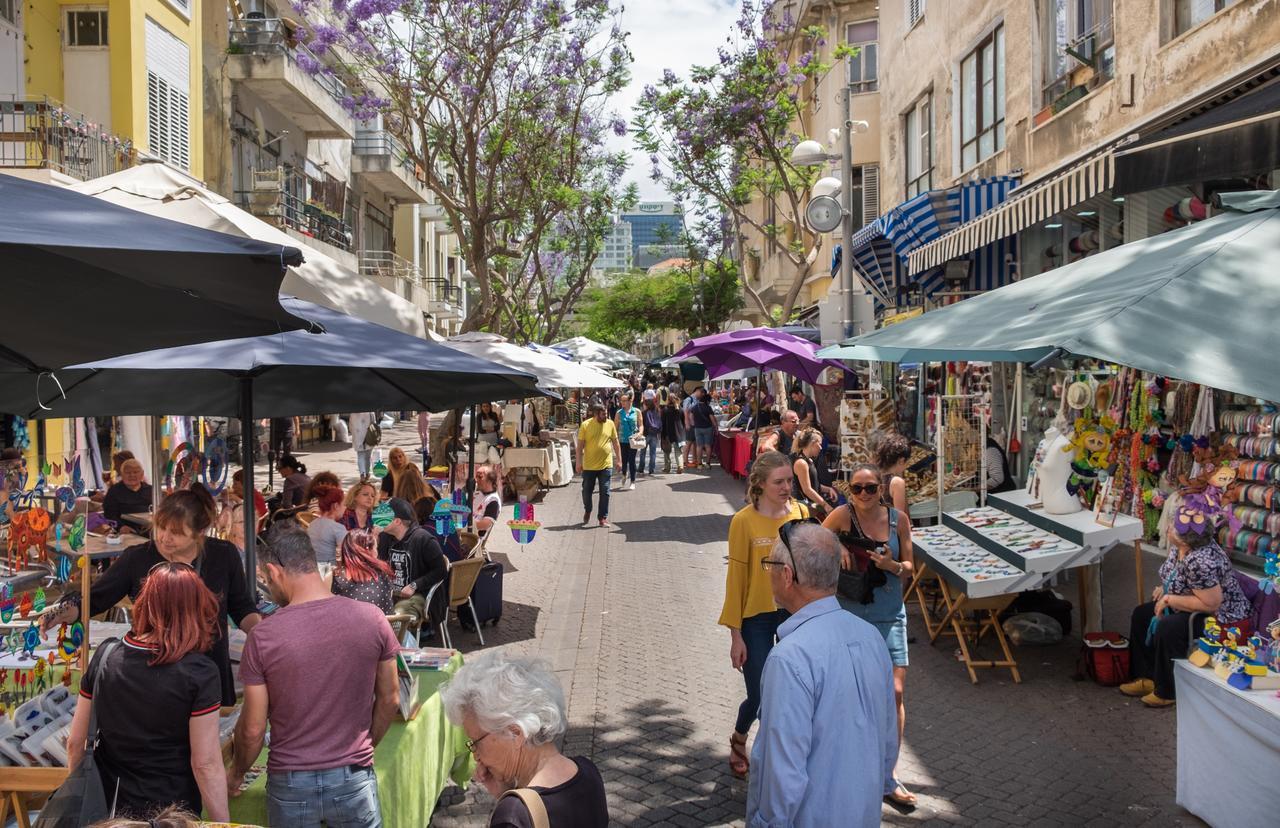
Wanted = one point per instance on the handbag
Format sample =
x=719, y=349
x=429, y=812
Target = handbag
x=80, y=800
x=637, y=441
x=372, y=435
x=533, y=802
x=859, y=583
x=1104, y=657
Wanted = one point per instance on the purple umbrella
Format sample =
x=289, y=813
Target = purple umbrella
x=765, y=348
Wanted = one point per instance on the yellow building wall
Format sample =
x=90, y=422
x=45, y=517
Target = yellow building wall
x=126, y=37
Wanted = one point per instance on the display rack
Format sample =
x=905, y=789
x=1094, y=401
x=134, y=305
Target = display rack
x=1257, y=438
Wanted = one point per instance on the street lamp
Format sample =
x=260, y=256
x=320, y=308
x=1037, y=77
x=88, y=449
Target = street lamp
x=809, y=153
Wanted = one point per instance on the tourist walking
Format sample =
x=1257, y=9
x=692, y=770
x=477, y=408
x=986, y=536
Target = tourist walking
x=704, y=427
x=325, y=722
x=805, y=487
x=673, y=435
x=651, y=418
x=827, y=741
x=365, y=436
x=157, y=697
x=749, y=611
x=417, y=561
x=513, y=712
x=424, y=439
x=891, y=454
x=360, y=575
x=877, y=561
x=627, y=421
x=598, y=454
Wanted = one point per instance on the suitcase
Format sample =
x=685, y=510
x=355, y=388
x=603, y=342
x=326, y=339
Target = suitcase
x=486, y=596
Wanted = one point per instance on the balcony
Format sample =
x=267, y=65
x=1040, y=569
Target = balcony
x=380, y=158
x=444, y=301
x=264, y=57
x=42, y=134
x=287, y=198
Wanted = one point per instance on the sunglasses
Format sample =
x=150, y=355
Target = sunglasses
x=859, y=488
x=784, y=535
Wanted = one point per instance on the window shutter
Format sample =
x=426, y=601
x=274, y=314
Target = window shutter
x=168, y=95
x=915, y=10
x=870, y=193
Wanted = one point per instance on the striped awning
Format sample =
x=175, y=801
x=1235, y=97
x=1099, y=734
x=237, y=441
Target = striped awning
x=1024, y=208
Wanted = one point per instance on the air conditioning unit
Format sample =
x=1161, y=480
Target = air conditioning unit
x=266, y=195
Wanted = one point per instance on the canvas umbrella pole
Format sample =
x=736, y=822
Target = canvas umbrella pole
x=755, y=441
x=471, y=458
x=246, y=490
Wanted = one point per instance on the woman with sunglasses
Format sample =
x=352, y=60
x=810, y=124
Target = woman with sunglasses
x=157, y=698
x=865, y=521
x=178, y=535
x=749, y=611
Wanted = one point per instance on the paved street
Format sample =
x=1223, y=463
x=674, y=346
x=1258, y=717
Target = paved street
x=627, y=618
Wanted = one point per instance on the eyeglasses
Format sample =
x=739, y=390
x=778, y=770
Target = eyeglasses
x=472, y=743
x=859, y=488
x=784, y=535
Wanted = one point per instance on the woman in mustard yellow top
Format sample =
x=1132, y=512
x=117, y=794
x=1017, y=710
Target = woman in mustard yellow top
x=749, y=611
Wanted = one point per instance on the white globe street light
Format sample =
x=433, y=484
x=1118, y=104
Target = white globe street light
x=828, y=186
x=809, y=153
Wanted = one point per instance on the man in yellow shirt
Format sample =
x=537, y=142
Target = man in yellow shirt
x=599, y=453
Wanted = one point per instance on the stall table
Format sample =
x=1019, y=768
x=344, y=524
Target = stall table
x=96, y=546
x=1228, y=749
x=413, y=762
x=734, y=448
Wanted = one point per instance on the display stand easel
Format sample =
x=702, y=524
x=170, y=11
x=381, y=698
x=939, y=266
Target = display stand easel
x=22, y=788
x=954, y=621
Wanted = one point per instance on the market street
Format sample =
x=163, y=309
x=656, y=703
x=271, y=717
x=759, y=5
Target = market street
x=627, y=618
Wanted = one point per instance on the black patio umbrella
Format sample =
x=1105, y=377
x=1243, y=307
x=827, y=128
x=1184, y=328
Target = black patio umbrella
x=86, y=279
x=352, y=365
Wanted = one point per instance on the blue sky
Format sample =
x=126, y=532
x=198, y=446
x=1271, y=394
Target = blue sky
x=668, y=34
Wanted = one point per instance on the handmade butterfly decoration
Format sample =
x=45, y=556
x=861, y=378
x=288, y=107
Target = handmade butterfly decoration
x=63, y=570
x=523, y=527
x=66, y=496
x=21, y=437
x=75, y=539
x=38, y=602
x=213, y=469
x=77, y=478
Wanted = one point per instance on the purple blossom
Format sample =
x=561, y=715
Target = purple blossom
x=619, y=127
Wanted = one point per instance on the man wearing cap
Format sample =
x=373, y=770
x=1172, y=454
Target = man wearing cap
x=417, y=562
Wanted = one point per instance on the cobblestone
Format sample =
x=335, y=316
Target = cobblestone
x=627, y=615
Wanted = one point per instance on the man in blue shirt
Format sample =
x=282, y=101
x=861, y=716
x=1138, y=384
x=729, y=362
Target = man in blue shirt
x=828, y=736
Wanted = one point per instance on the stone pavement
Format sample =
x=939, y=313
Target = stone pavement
x=627, y=615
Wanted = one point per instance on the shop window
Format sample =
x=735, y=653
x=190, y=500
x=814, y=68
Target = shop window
x=982, y=92
x=86, y=28
x=915, y=11
x=1078, y=45
x=862, y=66
x=1188, y=14
x=917, y=137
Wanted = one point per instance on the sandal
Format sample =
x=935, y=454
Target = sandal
x=739, y=764
x=902, y=800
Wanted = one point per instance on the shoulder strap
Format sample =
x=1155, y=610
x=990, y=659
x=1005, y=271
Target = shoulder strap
x=107, y=649
x=533, y=801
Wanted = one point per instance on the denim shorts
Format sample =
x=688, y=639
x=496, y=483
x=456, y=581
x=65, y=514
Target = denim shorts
x=894, y=632
x=704, y=436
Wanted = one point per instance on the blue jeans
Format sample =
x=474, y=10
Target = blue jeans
x=362, y=461
x=589, y=480
x=344, y=797
x=628, y=462
x=759, y=632
x=651, y=445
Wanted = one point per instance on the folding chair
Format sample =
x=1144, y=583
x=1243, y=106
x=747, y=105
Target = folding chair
x=402, y=623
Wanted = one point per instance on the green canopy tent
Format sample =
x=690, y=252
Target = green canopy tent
x=1200, y=303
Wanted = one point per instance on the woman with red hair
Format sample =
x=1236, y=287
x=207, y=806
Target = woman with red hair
x=360, y=574
x=157, y=697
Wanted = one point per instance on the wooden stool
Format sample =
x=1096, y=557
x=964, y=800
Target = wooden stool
x=967, y=632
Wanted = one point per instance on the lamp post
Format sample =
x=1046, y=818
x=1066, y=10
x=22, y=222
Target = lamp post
x=810, y=154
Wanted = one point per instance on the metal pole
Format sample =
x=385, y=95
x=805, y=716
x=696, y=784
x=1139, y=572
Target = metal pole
x=846, y=226
x=755, y=441
x=471, y=458
x=246, y=465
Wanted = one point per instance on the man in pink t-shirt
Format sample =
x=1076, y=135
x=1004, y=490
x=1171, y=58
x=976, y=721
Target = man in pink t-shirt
x=313, y=668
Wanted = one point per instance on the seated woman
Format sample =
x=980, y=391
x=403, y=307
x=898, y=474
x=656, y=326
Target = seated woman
x=360, y=575
x=361, y=498
x=321, y=481
x=157, y=698
x=131, y=495
x=117, y=460
x=294, y=474
x=513, y=712
x=325, y=531
x=488, y=500
x=411, y=485
x=1196, y=577
x=397, y=462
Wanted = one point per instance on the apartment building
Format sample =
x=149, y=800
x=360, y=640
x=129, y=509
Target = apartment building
x=766, y=269
x=1050, y=130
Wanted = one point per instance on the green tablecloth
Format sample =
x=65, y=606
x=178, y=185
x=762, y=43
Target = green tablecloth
x=413, y=762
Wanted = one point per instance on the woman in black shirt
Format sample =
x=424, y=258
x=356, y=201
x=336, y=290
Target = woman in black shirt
x=131, y=495
x=294, y=473
x=157, y=700
x=178, y=535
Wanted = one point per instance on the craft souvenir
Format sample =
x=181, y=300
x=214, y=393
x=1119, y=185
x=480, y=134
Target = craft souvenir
x=77, y=478
x=1052, y=475
x=25, y=605
x=1213, y=490
x=442, y=515
x=1089, y=447
x=382, y=516
x=1079, y=395
x=30, y=640
x=75, y=539
x=214, y=466
x=1207, y=645
x=523, y=527
x=461, y=512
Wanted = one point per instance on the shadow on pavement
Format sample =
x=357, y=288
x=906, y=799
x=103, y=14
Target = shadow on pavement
x=695, y=530
x=518, y=623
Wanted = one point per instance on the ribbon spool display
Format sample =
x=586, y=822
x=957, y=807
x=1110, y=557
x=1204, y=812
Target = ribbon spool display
x=523, y=527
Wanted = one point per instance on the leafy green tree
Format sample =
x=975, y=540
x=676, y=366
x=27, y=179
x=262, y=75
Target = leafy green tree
x=695, y=297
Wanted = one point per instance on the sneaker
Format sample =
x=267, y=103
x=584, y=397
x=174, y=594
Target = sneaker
x=1152, y=700
x=1138, y=687
x=632, y=487
x=604, y=522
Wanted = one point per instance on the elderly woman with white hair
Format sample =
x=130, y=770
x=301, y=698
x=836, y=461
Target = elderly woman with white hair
x=513, y=711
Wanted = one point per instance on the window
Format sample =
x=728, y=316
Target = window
x=9, y=11
x=86, y=28
x=982, y=100
x=1188, y=14
x=1077, y=36
x=862, y=66
x=870, y=193
x=168, y=95
x=915, y=11
x=917, y=138
x=377, y=229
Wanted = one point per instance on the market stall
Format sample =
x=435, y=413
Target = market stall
x=734, y=449
x=414, y=762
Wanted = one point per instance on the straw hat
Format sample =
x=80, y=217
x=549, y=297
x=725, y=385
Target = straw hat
x=1079, y=395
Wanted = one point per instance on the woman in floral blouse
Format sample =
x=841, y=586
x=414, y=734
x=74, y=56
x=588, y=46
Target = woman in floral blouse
x=1196, y=578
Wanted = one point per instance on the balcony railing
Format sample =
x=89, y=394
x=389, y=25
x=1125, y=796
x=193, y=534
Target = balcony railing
x=380, y=142
x=41, y=134
x=441, y=291
x=321, y=209
x=270, y=36
x=387, y=263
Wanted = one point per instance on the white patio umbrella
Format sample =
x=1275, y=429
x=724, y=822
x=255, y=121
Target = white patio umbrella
x=588, y=350
x=552, y=371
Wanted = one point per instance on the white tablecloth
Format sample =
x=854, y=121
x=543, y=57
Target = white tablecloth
x=529, y=458
x=1228, y=750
